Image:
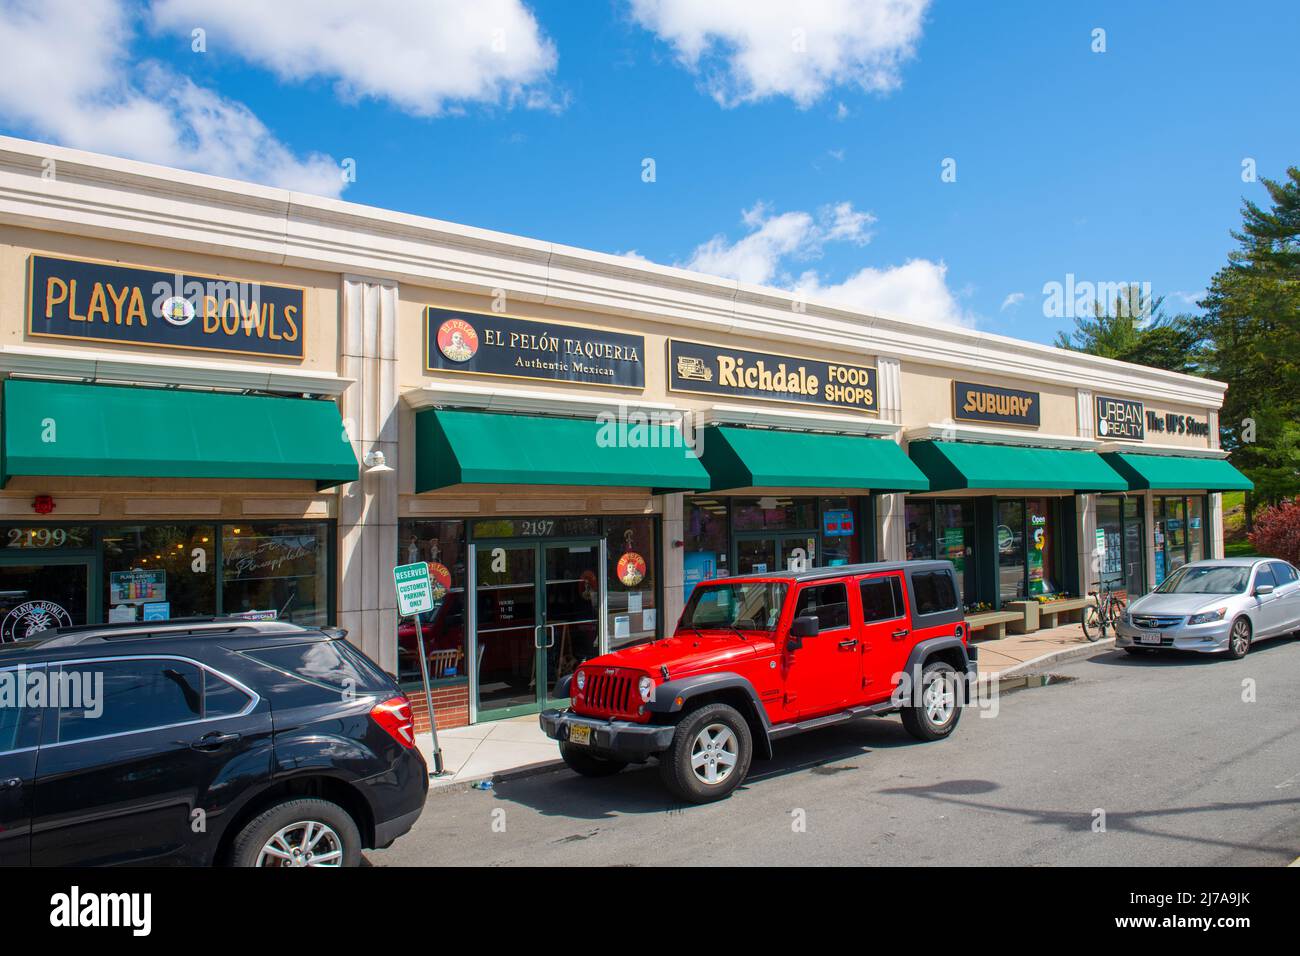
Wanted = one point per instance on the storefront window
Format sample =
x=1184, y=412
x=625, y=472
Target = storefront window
x=632, y=579
x=442, y=545
x=707, y=543
x=282, y=567
x=920, y=530
x=1195, y=528
x=1179, y=532
x=955, y=542
x=1011, y=550
x=1134, y=547
x=774, y=513
x=159, y=572
x=840, y=538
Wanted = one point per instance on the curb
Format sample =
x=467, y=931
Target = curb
x=1012, y=678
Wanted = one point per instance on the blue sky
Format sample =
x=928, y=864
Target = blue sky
x=795, y=144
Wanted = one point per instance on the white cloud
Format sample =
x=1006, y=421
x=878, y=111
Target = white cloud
x=66, y=76
x=917, y=289
x=1013, y=299
x=1189, y=299
x=756, y=258
x=750, y=50
x=427, y=58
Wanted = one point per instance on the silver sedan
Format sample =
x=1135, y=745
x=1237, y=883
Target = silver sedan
x=1219, y=606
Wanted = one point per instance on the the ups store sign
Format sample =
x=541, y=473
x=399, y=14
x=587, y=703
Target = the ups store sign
x=109, y=302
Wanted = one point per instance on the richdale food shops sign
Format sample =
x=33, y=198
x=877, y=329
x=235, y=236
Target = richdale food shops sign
x=106, y=302
x=457, y=341
x=711, y=370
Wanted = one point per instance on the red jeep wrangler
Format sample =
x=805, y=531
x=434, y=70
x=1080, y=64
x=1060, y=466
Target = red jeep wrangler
x=763, y=656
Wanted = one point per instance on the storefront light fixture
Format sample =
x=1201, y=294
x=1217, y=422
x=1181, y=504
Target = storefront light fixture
x=376, y=464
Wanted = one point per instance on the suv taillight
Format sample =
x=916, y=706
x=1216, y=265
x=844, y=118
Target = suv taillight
x=395, y=716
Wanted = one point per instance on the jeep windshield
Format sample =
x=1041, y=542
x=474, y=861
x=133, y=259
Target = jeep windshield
x=745, y=606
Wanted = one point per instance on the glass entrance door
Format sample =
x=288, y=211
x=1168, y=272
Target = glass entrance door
x=505, y=586
x=40, y=597
x=538, y=616
x=571, y=628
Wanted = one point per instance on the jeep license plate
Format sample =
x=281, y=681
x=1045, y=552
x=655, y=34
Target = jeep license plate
x=580, y=735
x=1148, y=638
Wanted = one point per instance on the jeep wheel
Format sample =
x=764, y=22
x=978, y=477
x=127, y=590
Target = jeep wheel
x=709, y=756
x=588, y=764
x=1239, y=639
x=938, y=711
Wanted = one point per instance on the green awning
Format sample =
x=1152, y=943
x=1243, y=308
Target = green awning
x=951, y=465
x=111, y=431
x=761, y=458
x=1177, y=472
x=483, y=448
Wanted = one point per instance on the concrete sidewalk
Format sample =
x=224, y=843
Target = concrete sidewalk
x=504, y=748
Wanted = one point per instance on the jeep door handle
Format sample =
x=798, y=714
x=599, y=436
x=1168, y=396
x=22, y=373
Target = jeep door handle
x=213, y=741
x=903, y=633
x=13, y=783
x=848, y=645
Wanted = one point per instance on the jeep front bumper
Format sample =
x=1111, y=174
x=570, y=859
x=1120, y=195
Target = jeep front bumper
x=622, y=739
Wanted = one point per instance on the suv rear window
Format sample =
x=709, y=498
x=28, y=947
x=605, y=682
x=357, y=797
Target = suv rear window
x=329, y=664
x=829, y=603
x=882, y=599
x=934, y=592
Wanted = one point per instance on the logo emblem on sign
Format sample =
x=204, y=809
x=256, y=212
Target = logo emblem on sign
x=631, y=569
x=178, y=310
x=31, y=618
x=457, y=340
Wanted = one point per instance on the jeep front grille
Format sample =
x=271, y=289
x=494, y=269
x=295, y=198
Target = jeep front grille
x=611, y=694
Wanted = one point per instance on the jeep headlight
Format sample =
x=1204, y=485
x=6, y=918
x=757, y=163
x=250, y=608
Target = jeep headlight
x=646, y=688
x=581, y=680
x=1208, y=617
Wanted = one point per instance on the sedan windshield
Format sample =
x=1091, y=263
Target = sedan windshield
x=1206, y=579
x=750, y=606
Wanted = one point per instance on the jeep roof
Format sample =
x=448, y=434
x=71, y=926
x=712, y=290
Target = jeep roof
x=835, y=571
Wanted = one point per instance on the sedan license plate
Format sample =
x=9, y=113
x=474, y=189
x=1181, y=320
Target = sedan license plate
x=580, y=735
x=1148, y=637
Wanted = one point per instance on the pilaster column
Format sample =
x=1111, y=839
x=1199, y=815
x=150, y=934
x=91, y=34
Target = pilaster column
x=368, y=507
x=891, y=533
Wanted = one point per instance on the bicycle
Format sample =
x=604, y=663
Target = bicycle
x=1102, y=616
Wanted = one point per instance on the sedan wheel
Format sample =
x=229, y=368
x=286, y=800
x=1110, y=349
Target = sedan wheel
x=1239, y=639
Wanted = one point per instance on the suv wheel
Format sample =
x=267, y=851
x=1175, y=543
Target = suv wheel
x=304, y=832
x=709, y=756
x=588, y=764
x=1239, y=639
x=937, y=714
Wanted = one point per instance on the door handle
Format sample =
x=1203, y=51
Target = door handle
x=213, y=741
x=900, y=634
x=13, y=783
x=848, y=645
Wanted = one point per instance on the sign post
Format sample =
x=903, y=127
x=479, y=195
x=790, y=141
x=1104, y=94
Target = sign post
x=415, y=597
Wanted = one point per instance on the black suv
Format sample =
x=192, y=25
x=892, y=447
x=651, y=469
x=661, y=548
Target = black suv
x=200, y=742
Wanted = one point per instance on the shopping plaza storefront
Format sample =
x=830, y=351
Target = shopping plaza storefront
x=221, y=398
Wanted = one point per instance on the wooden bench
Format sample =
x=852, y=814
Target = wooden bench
x=1050, y=612
x=992, y=625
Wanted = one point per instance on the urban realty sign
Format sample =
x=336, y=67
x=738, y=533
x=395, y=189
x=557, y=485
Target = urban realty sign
x=1128, y=420
x=135, y=305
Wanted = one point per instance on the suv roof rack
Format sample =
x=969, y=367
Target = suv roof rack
x=175, y=627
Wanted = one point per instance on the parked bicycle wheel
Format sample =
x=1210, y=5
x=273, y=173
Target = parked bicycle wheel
x=1094, y=629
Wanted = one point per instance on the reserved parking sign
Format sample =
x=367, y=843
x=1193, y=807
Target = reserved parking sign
x=414, y=589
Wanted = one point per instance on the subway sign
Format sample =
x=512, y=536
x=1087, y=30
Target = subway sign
x=133, y=305
x=1120, y=419
x=992, y=403
x=738, y=373
x=458, y=341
